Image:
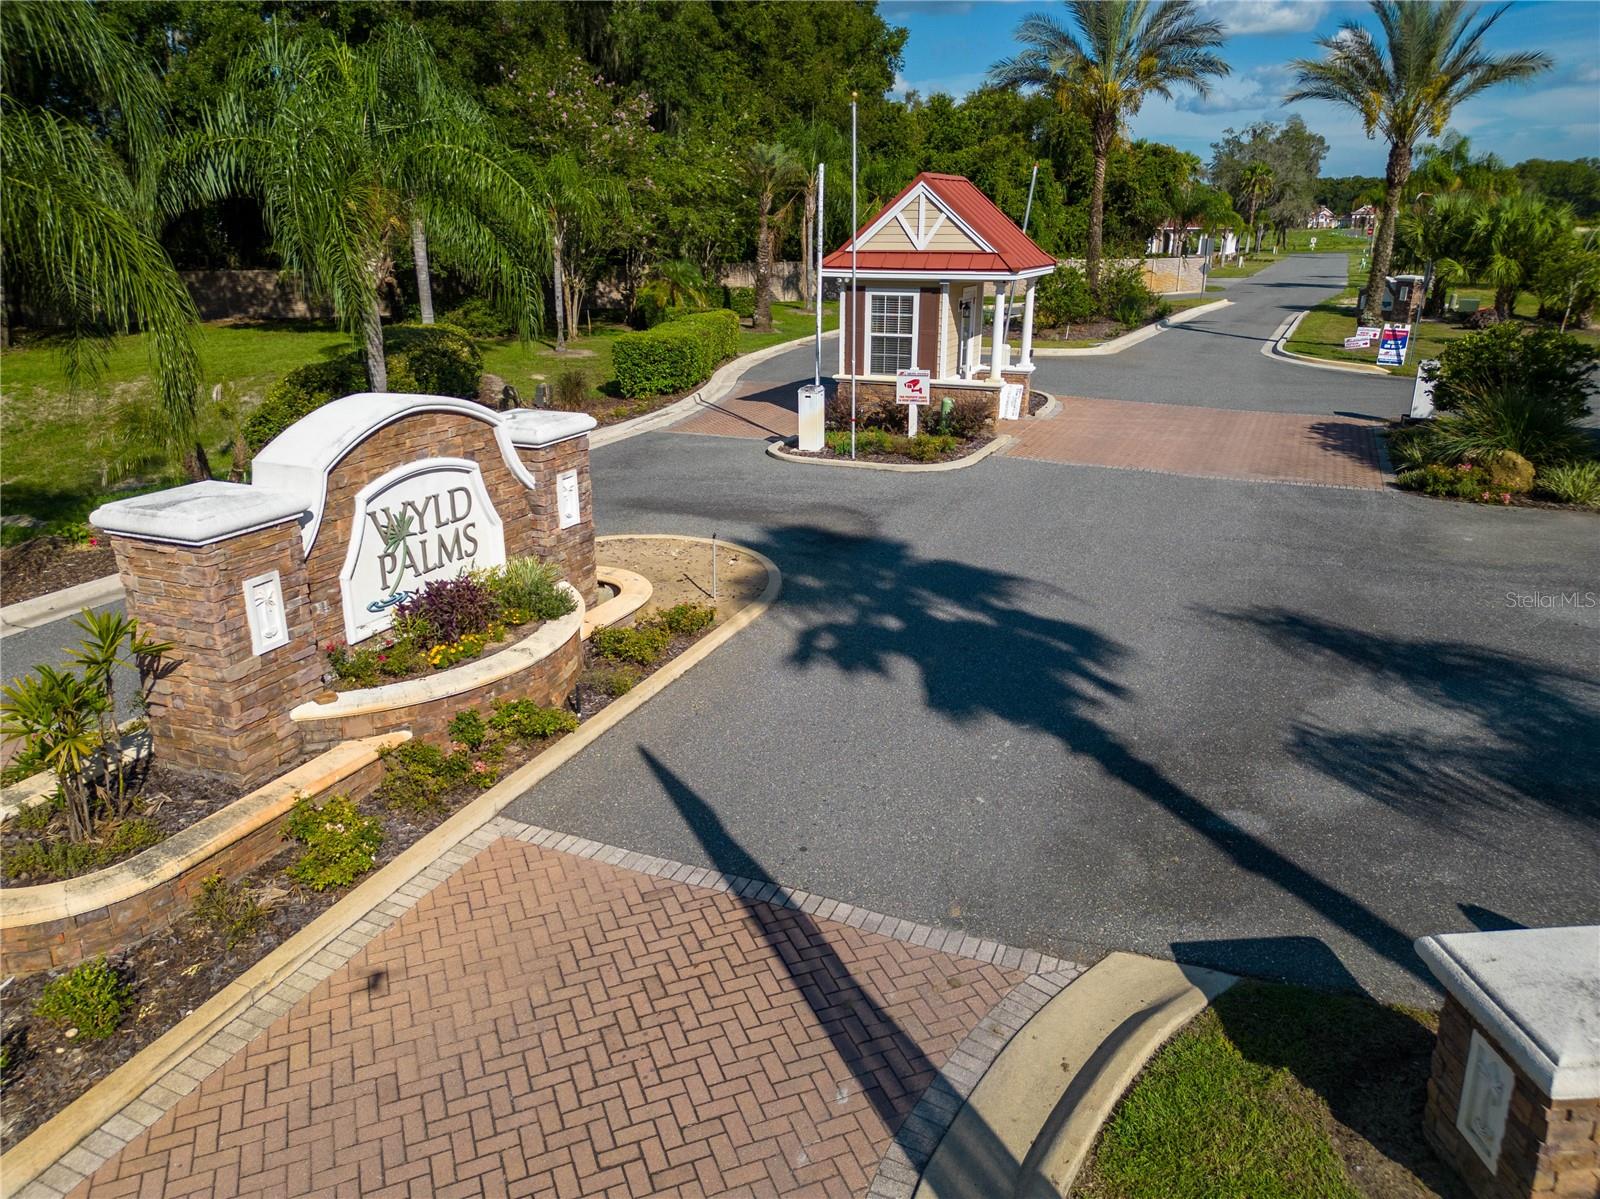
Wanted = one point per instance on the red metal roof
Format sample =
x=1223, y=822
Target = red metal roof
x=1014, y=250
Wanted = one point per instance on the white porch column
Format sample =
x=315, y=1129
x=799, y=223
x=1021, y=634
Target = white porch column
x=1027, y=323
x=997, y=325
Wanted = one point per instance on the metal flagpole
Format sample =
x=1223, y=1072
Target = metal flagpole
x=822, y=168
x=1027, y=211
x=855, y=227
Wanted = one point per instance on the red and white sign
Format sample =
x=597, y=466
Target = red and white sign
x=1358, y=343
x=911, y=387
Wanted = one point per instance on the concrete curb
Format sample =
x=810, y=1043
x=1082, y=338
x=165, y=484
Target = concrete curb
x=53, y=605
x=1059, y=1078
x=710, y=392
x=1275, y=349
x=775, y=449
x=633, y=593
x=1117, y=344
x=135, y=1091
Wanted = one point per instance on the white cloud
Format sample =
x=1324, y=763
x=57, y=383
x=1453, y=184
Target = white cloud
x=1258, y=88
x=1241, y=18
x=955, y=86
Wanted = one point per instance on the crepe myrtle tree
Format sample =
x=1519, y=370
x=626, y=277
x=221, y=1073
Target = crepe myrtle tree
x=1405, y=84
x=78, y=224
x=349, y=154
x=1120, y=53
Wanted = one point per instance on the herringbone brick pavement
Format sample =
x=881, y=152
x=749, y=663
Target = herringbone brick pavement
x=754, y=410
x=546, y=1025
x=1280, y=447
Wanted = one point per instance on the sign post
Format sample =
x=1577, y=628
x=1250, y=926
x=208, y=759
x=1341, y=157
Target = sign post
x=911, y=389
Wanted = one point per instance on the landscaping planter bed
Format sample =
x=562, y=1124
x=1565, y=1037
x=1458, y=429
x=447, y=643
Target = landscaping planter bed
x=41, y=565
x=176, y=970
x=963, y=449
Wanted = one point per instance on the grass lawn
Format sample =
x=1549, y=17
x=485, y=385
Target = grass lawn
x=59, y=453
x=1277, y=1093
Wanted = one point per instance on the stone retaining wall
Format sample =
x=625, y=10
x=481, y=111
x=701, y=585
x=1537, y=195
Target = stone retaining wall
x=60, y=924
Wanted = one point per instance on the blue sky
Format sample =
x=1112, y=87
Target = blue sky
x=953, y=42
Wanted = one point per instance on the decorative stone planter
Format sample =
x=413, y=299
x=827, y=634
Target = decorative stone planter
x=543, y=666
x=58, y=924
x=1514, y=1096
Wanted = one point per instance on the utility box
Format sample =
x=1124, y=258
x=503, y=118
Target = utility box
x=813, y=408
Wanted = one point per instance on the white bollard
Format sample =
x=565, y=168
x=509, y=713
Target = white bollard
x=813, y=405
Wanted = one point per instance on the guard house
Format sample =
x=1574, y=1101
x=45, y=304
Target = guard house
x=938, y=272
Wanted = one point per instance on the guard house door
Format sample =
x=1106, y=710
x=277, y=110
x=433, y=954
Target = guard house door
x=968, y=331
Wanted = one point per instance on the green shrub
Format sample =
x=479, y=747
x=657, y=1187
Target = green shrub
x=929, y=447
x=1411, y=446
x=228, y=909
x=644, y=643
x=1490, y=418
x=1123, y=295
x=1552, y=368
x=340, y=843
x=426, y=359
x=1510, y=471
x=527, y=721
x=569, y=391
x=741, y=301
x=530, y=587
x=614, y=682
x=684, y=620
x=39, y=860
x=1063, y=298
x=481, y=318
x=92, y=997
x=677, y=355
x=1570, y=483
x=1130, y=312
x=468, y=728
x=417, y=775
x=129, y=837
x=1464, y=481
x=35, y=818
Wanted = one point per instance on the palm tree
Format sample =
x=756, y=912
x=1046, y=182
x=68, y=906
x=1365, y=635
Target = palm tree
x=1431, y=59
x=815, y=143
x=309, y=126
x=78, y=225
x=1510, y=240
x=1123, y=51
x=1255, y=182
x=677, y=285
x=1436, y=235
x=774, y=174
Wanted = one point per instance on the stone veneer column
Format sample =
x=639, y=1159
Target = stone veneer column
x=185, y=556
x=551, y=444
x=1514, y=1095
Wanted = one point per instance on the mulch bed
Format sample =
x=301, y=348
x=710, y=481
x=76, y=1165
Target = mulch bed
x=173, y=799
x=1088, y=330
x=175, y=971
x=966, y=449
x=41, y=565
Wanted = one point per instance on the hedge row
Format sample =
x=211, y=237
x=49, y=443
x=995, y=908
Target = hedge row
x=426, y=359
x=677, y=355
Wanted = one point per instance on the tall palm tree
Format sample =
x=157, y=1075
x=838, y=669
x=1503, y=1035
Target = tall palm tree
x=1122, y=52
x=1256, y=182
x=78, y=224
x=774, y=174
x=814, y=143
x=1430, y=60
x=307, y=124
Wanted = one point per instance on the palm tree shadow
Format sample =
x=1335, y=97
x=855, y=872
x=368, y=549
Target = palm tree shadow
x=982, y=650
x=886, y=1062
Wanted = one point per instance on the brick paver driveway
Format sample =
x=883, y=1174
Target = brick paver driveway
x=1282, y=447
x=546, y=1024
x=757, y=410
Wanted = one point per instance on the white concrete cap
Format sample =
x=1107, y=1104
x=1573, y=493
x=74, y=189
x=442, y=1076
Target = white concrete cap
x=536, y=427
x=197, y=513
x=1537, y=990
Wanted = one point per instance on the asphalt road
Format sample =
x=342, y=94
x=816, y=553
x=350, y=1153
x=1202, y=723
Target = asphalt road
x=1275, y=729
x=1214, y=360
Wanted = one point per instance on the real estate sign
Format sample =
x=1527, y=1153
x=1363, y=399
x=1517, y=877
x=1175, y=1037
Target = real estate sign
x=1393, y=342
x=422, y=521
x=1357, y=343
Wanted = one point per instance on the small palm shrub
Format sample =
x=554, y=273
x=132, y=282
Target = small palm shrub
x=1490, y=417
x=340, y=843
x=92, y=997
x=1570, y=483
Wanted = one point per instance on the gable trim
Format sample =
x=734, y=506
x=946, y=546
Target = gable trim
x=893, y=212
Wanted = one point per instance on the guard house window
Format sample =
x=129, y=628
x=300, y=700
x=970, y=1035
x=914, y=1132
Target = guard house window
x=891, y=331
